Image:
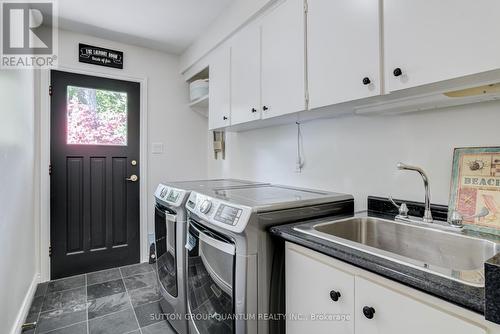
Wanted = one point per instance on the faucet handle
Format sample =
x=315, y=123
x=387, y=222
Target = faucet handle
x=402, y=209
x=457, y=219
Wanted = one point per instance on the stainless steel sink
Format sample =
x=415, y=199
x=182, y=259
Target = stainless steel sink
x=449, y=254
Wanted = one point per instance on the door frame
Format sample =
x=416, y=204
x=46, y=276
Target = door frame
x=43, y=151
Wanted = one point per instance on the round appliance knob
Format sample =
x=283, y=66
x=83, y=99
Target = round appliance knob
x=205, y=206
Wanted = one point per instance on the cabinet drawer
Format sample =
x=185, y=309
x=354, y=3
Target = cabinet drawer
x=316, y=289
x=395, y=313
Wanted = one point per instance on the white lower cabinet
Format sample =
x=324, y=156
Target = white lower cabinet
x=395, y=313
x=367, y=304
x=316, y=291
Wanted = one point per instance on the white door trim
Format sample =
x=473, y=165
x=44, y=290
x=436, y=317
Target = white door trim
x=43, y=150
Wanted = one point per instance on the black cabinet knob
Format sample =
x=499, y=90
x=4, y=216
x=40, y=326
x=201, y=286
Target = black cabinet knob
x=334, y=295
x=224, y=118
x=265, y=108
x=397, y=72
x=369, y=312
x=254, y=110
x=366, y=81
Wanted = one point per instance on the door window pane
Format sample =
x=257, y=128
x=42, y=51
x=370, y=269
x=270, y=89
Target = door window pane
x=96, y=116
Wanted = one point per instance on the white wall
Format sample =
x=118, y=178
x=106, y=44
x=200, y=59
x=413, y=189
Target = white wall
x=17, y=157
x=358, y=154
x=170, y=121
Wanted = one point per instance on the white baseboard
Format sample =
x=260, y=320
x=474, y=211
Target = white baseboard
x=25, y=306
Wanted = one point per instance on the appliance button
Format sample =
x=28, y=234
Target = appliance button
x=205, y=206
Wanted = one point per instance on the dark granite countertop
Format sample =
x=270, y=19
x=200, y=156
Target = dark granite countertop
x=492, y=290
x=470, y=297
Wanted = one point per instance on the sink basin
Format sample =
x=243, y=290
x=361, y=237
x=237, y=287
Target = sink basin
x=449, y=254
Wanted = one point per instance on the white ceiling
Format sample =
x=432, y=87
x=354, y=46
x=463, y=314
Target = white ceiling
x=167, y=25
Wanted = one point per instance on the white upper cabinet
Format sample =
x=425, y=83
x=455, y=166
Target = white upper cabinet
x=430, y=41
x=308, y=54
x=219, y=108
x=245, y=75
x=283, y=63
x=343, y=45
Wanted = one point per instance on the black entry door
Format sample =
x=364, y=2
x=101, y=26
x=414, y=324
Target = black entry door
x=94, y=173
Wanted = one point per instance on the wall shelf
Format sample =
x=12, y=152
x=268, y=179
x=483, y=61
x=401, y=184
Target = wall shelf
x=200, y=105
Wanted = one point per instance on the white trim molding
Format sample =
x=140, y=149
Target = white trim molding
x=43, y=151
x=25, y=306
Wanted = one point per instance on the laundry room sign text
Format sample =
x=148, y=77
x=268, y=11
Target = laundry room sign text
x=100, y=56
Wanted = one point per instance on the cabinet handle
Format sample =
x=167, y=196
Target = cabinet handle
x=265, y=108
x=334, y=295
x=224, y=118
x=366, y=81
x=369, y=312
x=254, y=110
x=397, y=72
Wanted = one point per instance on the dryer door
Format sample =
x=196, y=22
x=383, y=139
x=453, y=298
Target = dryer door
x=210, y=280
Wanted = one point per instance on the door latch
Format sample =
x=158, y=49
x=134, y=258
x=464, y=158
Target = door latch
x=132, y=178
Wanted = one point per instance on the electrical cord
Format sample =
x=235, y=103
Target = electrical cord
x=300, y=161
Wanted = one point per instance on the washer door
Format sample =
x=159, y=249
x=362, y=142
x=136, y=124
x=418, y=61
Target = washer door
x=210, y=280
x=165, y=230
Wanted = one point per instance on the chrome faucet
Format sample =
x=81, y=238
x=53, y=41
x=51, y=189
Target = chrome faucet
x=427, y=218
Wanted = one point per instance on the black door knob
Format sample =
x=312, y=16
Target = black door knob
x=265, y=108
x=224, y=118
x=366, y=81
x=254, y=110
x=397, y=72
x=334, y=295
x=369, y=312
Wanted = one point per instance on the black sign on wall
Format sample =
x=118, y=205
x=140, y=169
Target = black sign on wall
x=100, y=56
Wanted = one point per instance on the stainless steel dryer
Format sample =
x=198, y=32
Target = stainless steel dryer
x=230, y=252
x=170, y=237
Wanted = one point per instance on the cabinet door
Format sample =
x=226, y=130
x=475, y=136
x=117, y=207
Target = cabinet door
x=309, y=283
x=245, y=75
x=219, y=108
x=431, y=41
x=396, y=313
x=343, y=45
x=283, y=63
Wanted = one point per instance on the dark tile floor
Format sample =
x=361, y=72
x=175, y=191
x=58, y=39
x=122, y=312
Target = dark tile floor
x=115, y=301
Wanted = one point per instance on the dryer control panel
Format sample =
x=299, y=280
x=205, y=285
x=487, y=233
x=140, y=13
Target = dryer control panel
x=218, y=212
x=170, y=196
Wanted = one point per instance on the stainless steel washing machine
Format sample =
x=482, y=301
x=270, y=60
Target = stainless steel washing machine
x=170, y=237
x=230, y=252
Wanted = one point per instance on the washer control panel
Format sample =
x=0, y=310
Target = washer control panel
x=218, y=212
x=169, y=195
